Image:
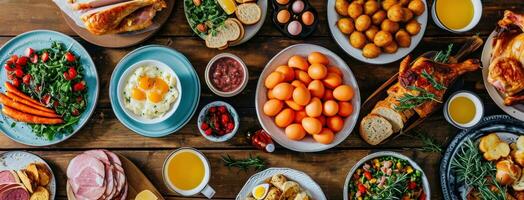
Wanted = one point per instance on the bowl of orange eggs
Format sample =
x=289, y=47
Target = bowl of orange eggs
x=307, y=98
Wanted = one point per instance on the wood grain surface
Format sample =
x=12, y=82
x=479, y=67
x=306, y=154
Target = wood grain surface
x=328, y=168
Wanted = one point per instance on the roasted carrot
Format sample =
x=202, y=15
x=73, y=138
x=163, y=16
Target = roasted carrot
x=11, y=88
x=29, y=118
x=24, y=108
x=19, y=99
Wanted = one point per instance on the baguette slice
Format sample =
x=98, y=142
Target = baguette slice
x=386, y=110
x=231, y=31
x=242, y=32
x=374, y=129
x=248, y=13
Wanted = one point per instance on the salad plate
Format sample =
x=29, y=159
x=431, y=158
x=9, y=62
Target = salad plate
x=37, y=40
x=189, y=83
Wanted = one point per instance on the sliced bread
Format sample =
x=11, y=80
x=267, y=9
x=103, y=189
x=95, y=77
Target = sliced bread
x=242, y=31
x=390, y=114
x=230, y=31
x=248, y=13
x=374, y=129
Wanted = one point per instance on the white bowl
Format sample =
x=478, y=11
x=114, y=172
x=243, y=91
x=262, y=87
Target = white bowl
x=124, y=79
x=425, y=181
x=477, y=14
x=307, y=144
x=212, y=87
x=478, y=106
x=233, y=114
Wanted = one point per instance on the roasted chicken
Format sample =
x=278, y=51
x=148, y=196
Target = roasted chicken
x=123, y=17
x=506, y=71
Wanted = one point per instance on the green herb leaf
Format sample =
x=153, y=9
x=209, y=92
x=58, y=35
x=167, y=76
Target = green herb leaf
x=255, y=162
x=433, y=80
x=409, y=101
x=442, y=57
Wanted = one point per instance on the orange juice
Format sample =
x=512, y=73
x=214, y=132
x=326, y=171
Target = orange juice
x=462, y=110
x=185, y=170
x=454, y=14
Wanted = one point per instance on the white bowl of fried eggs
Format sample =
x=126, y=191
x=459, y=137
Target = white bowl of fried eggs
x=149, y=91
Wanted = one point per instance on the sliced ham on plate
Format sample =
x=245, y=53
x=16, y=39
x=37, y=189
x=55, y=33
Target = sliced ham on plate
x=8, y=176
x=11, y=191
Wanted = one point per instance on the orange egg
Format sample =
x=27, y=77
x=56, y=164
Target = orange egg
x=301, y=96
x=145, y=82
x=298, y=62
x=273, y=79
x=270, y=94
x=285, y=117
x=322, y=120
x=298, y=83
x=335, y=70
x=345, y=108
x=283, y=16
x=161, y=86
x=312, y=125
x=317, y=71
x=332, y=80
x=288, y=72
x=326, y=136
x=299, y=115
x=335, y=123
x=303, y=76
x=283, y=91
x=316, y=88
x=282, y=2
x=317, y=58
x=154, y=96
x=314, y=108
x=330, y=108
x=293, y=105
x=343, y=93
x=138, y=94
x=328, y=95
x=273, y=107
x=308, y=18
x=295, y=132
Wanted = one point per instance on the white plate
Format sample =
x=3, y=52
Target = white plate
x=15, y=160
x=307, y=144
x=425, y=181
x=308, y=184
x=343, y=40
x=516, y=111
x=250, y=30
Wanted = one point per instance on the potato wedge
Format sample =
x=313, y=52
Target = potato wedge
x=26, y=181
x=40, y=193
x=32, y=171
x=43, y=174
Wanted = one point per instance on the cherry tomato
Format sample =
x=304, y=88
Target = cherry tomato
x=11, y=75
x=79, y=86
x=29, y=51
x=69, y=57
x=224, y=118
x=204, y=126
x=18, y=67
x=16, y=82
x=422, y=196
x=45, y=57
x=212, y=109
x=368, y=175
x=412, y=185
x=230, y=126
x=8, y=67
x=222, y=109
x=67, y=76
x=75, y=112
x=22, y=61
x=34, y=59
x=19, y=73
x=361, y=188
x=72, y=72
x=9, y=62
x=27, y=79
x=208, y=131
x=46, y=99
x=14, y=58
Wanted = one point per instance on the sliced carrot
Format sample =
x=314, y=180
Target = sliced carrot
x=17, y=98
x=24, y=108
x=28, y=118
x=11, y=88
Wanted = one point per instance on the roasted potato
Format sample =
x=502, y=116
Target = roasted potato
x=383, y=38
x=389, y=26
x=408, y=15
x=386, y=4
x=371, y=32
x=362, y=23
x=395, y=13
x=378, y=17
x=417, y=6
x=413, y=27
x=403, y=38
x=40, y=193
x=371, y=51
x=357, y=39
x=278, y=180
x=32, y=172
x=404, y=2
x=345, y=25
x=361, y=2
x=493, y=148
x=371, y=7
x=26, y=180
x=391, y=48
x=355, y=10
x=341, y=6
x=43, y=174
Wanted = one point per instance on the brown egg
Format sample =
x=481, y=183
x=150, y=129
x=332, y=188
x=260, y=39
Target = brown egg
x=302, y=76
x=317, y=57
x=293, y=105
x=299, y=115
x=298, y=83
x=283, y=16
x=317, y=71
x=273, y=79
x=314, y=108
x=285, y=117
x=282, y=2
x=308, y=18
x=295, y=132
x=330, y=108
x=270, y=94
x=298, y=62
x=301, y=96
x=346, y=25
x=288, y=72
x=328, y=95
x=335, y=70
x=312, y=125
x=326, y=136
x=332, y=80
x=283, y=91
x=316, y=88
x=343, y=93
x=335, y=123
x=345, y=108
x=273, y=107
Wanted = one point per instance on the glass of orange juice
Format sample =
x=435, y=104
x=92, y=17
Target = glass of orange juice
x=186, y=171
x=456, y=15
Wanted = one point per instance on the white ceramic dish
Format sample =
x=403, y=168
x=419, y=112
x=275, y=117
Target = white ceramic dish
x=343, y=40
x=311, y=187
x=231, y=93
x=516, y=111
x=15, y=160
x=307, y=144
x=425, y=181
x=202, y=115
x=477, y=14
x=479, y=108
x=124, y=79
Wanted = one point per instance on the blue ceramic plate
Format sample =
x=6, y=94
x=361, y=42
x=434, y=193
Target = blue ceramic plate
x=40, y=39
x=507, y=128
x=188, y=80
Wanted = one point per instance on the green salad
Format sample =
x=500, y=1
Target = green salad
x=204, y=16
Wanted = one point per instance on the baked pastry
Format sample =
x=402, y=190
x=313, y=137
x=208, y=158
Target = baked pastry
x=493, y=148
x=507, y=172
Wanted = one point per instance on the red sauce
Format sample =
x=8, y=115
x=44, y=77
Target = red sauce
x=226, y=74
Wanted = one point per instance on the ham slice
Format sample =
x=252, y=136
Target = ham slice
x=13, y=191
x=8, y=176
x=87, y=176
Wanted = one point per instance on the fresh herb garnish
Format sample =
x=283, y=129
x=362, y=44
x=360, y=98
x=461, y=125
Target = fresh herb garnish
x=430, y=144
x=433, y=80
x=443, y=57
x=395, y=187
x=409, y=101
x=255, y=162
x=209, y=13
x=13, y=124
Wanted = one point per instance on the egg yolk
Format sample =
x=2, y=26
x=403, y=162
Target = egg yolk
x=155, y=96
x=137, y=94
x=145, y=82
x=259, y=191
x=161, y=86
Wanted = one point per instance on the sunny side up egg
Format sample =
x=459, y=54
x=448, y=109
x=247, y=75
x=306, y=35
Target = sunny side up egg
x=150, y=92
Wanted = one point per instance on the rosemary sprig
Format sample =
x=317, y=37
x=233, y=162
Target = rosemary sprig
x=409, y=101
x=433, y=80
x=430, y=144
x=441, y=56
x=253, y=161
x=395, y=188
x=471, y=169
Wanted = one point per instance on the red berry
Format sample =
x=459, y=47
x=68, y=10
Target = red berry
x=8, y=67
x=67, y=77
x=72, y=72
x=204, y=126
x=75, y=112
x=224, y=118
x=14, y=58
x=22, y=61
x=18, y=67
x=45, y=57
x=69, y=57
x=216, y=125
x=212, y=109
x=27, y=79
x=208, y=131
x=222, y=109
x=19, y=73
x=29, y=52
x=11, y=76
x=16, y=82
x=230, y=126
x=79, y=86
x=412, y=185
x=34, y=59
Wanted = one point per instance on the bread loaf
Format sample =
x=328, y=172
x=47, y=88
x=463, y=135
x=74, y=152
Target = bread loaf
x=374, y=129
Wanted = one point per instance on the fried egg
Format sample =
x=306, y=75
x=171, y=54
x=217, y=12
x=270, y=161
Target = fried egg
x=150, y=92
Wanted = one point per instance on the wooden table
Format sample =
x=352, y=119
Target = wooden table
x=328, y=168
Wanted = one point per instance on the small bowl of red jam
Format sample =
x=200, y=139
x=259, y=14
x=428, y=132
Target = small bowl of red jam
x=226, y=75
